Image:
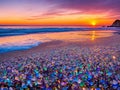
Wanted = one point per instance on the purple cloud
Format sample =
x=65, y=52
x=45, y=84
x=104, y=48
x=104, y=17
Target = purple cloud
x=89, y=4
x=38, y=9
x=53, y=13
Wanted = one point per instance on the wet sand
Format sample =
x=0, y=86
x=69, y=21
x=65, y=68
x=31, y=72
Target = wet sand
x=104, y=41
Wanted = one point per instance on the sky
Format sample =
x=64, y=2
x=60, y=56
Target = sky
x=59, y=12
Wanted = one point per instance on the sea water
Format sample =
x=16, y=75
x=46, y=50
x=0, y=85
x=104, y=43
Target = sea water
x=22, y=38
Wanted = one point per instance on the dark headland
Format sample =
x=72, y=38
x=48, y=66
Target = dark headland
x=116, y=23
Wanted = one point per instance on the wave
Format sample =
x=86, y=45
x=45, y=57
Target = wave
x=22, y=31
x=24, y=41
x=8, y=47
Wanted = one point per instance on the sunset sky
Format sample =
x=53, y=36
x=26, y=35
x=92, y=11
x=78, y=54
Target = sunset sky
x=59, y=12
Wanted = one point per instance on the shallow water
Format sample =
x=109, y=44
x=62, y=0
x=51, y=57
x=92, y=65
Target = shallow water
x=22, y=42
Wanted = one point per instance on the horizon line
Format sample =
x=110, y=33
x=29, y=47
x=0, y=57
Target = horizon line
x=47, y=25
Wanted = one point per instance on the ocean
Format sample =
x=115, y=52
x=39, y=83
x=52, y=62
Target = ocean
x=14, y=38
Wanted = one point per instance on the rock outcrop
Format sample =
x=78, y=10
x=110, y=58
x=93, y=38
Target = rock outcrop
x=116, y=23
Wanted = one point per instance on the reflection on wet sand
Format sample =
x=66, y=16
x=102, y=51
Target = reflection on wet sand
x=93, y=35
x=78, y=35
x=30, y=40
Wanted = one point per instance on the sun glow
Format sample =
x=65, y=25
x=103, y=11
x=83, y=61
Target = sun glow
x=93, y=23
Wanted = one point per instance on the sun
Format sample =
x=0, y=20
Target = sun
x=93, y=23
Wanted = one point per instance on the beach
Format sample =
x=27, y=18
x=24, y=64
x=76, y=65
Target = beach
x=85, y=40
x=91, y=64
x=59, y=45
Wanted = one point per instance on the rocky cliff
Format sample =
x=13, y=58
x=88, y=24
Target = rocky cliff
x=116, y=23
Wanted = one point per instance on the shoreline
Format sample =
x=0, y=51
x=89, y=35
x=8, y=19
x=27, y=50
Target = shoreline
x=25, y=42
x=58, y=44
x=77, y=64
